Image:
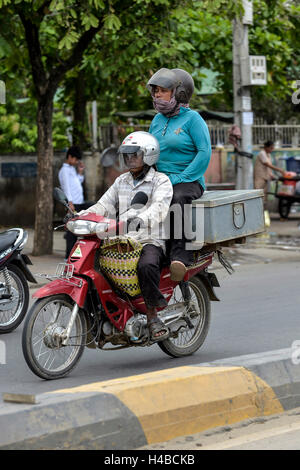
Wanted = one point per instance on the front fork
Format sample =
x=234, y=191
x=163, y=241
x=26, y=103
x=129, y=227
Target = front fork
x=67, y=332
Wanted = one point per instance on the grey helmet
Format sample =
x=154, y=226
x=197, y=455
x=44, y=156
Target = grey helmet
x=143, y=143
x=177, y=79
x=186, y=88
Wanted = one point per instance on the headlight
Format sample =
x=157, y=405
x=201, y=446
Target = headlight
x=85, y=227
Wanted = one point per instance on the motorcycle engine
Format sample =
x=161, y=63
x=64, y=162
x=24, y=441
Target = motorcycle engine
x=110, y=334
x=107, y=328
x=135, y=327
x=134, y=331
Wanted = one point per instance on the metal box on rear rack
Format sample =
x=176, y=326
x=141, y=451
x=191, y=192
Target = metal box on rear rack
x=219, y=216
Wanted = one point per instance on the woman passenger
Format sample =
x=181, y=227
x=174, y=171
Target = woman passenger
x=185, y=151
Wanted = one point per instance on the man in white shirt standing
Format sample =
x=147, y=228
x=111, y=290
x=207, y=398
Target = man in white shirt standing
x=71, y=178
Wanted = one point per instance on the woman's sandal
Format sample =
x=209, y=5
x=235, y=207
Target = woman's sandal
x=177, y=271
x=156, y=326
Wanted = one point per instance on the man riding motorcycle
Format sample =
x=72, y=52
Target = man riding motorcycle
x=139, y=153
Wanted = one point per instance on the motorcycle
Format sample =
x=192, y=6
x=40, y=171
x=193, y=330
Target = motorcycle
x=14, y=274
x=81, y=308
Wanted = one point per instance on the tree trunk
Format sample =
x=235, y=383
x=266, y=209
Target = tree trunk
x=43, y=233
x=79, y=111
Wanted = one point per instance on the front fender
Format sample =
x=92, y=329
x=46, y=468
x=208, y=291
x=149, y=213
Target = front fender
x=61, y=286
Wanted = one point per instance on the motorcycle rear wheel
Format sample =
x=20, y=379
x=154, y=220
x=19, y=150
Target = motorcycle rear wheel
x=284, y=207
x=41, y=343
x=10, y=318
x=190, y=340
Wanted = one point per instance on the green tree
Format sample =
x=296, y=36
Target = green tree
x=275, y=34
x=55, y=34
x=116, y=67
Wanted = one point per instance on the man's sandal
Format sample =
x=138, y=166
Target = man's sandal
x=156, y=326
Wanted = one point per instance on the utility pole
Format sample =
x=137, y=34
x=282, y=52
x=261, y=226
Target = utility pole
x=243, y=116
x=95, y=125
x=92, y=158
x=248, y=70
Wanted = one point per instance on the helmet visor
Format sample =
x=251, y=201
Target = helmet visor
x=164, y=78
x=129, y=148
x=131, y=157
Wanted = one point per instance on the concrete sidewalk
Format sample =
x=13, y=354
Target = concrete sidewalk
x=45, y=264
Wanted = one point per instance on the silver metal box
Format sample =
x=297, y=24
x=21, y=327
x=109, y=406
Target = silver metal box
x=227, y=215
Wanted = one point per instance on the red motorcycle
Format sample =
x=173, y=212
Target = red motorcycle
x=81, y=308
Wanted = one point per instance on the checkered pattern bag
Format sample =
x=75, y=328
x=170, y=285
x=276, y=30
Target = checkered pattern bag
x=118, y=260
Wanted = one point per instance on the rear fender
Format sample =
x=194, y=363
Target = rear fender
x=210, y=281
x=21, y=261
x=61, y=286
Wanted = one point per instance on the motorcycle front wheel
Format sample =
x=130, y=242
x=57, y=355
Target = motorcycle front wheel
x=189, y=340
x=43, y=332
x=14, y=298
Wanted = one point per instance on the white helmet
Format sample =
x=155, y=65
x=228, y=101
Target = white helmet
x=142, y=143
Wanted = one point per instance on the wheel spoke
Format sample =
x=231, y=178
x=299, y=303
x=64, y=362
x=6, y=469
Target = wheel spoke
x=11, y=309
x=49, y=356
x=188, y=340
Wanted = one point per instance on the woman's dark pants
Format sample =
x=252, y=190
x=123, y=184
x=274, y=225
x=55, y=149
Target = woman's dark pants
x=183, y=193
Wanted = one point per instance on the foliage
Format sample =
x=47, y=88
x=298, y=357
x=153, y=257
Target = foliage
x=128, y=39
x=198, y=36
x=117, y=66
x=18, y=130
x=273, y=34
x=134, y=39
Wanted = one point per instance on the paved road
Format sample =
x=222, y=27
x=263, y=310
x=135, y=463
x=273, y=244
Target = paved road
x=259, y=311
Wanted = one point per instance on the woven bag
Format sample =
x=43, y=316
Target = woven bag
x=118, y=260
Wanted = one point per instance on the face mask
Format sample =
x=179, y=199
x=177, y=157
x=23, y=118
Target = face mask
x=168, y=108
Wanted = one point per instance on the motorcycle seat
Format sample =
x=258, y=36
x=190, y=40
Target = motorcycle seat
x=7, y=239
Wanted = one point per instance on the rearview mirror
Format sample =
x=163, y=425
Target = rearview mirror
x=140, y=199
x=60, y=196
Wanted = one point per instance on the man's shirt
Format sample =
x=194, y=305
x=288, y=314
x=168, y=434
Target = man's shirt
x=159, y=190
x=261, y=171
x=71, y=183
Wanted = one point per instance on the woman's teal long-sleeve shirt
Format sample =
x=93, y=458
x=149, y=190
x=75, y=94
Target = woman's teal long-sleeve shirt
x=185, y=148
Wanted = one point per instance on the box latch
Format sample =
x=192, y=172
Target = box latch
x=239, y=217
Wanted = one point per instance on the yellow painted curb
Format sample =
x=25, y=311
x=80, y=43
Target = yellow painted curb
x=186, y=400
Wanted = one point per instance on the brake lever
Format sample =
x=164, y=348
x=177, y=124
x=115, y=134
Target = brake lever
x=59, y=226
